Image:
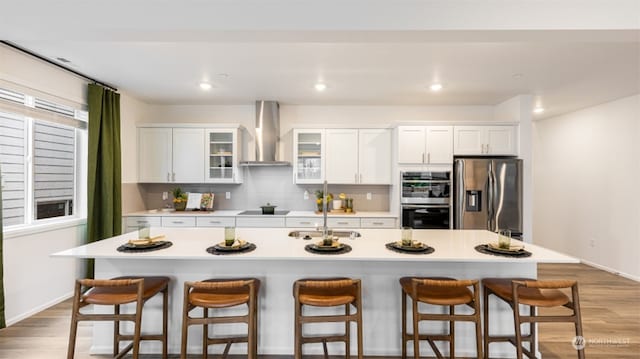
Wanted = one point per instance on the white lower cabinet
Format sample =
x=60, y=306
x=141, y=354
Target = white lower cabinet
x=342, y=222
x=135, y=222
x=267, y=222
x=303, y=222
x=215, y=221
x=178, y=221
x=377, y=223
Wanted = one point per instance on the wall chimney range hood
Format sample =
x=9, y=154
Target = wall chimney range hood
x=267, y=138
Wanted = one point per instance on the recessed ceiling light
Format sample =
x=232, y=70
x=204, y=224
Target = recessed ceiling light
x=320, y=86
x=435, y=87
x=538, y=109
x=205, y=86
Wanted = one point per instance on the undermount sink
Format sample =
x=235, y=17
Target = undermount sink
x=312, y=234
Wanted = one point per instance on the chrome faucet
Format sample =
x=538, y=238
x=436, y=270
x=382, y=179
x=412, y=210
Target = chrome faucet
x=325, y=190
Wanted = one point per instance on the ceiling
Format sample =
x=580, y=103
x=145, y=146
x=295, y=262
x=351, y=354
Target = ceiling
x=278, y=50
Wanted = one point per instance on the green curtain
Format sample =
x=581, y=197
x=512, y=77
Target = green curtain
x=2, y=320
x=104, y=215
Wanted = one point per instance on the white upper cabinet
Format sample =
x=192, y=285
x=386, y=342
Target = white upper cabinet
x=308, y=156
x=425, y=144
x=358, y=156
x=485, y=140
x=374, y=156
x=154, y=155
x=342, y=155
x=222, y=156
x=170, y=155
x=188, y=155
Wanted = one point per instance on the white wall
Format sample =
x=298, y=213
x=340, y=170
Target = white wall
x=586, y=177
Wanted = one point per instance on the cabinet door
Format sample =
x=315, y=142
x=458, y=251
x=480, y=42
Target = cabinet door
x=341, y=155
x=411, y=144
x=308, y=159
x=439, y=144
x=468, y=140
x=501, y=140
x=222, y=160
x=188, y=155
x=154, y=155
x=374, y=156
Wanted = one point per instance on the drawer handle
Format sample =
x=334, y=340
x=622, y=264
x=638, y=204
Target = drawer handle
x=214, y=222
x=305, y=222
x=143, y=222
x=177, y=222
x=378, y=223
x=343, y=222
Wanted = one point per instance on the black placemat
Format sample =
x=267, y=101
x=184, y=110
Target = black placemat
x=485, y=249
x=311, y=248
x=214, y=250
x=393, y=247
x=131, y=249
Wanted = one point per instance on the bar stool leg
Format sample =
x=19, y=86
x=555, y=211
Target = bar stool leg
x=116, y=331
x=577, y=316
x=452, y=333
x=416, y=335
x=165, y=321
x=359, y=321
x=185, y=323
x=74, y=322
x=403, y=297
x=485, y=313
x=516, y=321
x=137, y=330
x=532, y=330
x=347, y=332
x=297, y=351
x=205, y=334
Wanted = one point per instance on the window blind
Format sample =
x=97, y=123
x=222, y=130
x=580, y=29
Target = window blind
x=54, y=162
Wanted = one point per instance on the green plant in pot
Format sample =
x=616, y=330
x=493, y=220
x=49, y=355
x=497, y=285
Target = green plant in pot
x=319, y=197
x=179, y=199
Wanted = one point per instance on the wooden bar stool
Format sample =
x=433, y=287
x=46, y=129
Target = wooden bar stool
x=217, y=294
x=328, y=292
x=444, y=292
x=118, y=291
x=534, y=293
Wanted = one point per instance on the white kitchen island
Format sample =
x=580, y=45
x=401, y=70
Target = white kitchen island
x=279, y=260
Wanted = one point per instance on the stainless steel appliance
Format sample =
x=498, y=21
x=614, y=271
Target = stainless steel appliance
x=488, y=194
x=426, y=199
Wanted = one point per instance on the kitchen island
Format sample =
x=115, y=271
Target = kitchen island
x=279, y=260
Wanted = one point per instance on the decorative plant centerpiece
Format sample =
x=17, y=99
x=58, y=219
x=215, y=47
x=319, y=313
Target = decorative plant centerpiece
x=179, y=199
x=319, y=196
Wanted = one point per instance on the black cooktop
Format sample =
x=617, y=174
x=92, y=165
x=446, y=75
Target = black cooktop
x=258, y=212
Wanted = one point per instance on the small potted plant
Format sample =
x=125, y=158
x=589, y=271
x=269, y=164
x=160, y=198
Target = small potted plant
x=179, y=199
x=319, y=195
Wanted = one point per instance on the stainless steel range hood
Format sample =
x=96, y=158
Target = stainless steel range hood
x=267, y=135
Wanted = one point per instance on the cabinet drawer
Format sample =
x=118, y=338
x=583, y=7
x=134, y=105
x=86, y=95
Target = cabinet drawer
x=377, y=222
x=343, y=222
x=259, y=222
x=138, y=221
x=179, y=221
x=304, y=222
x=215, y=221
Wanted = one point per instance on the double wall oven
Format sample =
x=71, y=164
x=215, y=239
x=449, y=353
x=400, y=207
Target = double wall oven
x=426, y=199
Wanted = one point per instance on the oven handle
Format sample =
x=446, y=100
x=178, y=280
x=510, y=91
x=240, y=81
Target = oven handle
x=425, y=206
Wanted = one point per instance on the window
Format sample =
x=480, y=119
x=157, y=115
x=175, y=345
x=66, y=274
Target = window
x=39, y=162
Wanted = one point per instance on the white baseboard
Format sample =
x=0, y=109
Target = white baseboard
x=611, y=270
x=36, y=310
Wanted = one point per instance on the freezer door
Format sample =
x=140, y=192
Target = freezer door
x=505, y=205
x=471, y=193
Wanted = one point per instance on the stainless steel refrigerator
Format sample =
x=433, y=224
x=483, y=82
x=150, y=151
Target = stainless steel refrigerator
x=488, y=194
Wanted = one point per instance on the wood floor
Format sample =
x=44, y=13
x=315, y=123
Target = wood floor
x=610, y=309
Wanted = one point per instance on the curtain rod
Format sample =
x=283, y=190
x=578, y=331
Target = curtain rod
x=42, y=58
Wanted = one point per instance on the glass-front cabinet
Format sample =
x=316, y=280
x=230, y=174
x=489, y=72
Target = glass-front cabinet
x=222, y=156
x=308, y=153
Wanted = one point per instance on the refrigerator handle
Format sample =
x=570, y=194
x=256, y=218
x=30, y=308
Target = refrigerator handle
x=490, y=195
x=460, y=194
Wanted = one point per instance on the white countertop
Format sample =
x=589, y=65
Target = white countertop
x=274, y=244
x=233, y=213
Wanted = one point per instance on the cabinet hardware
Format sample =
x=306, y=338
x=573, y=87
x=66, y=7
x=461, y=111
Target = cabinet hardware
x=177, y=222
x=214, y=222
x=143, y=222
x=423, y=157
x=355, y=177
x=487, y=148
x=378, y=223
x=174, y=176
x=429, y=157
x=305, y=222
x=168, y=177
x=361, y=178
x=343, y=222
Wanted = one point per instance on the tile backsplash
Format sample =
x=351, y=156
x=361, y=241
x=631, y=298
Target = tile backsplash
x=273, y=185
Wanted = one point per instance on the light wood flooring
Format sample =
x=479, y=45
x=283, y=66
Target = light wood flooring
x=610, y=310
